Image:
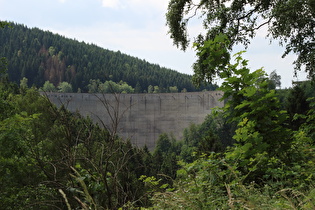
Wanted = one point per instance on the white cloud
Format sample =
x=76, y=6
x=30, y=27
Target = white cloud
x=110, y=3
x=157, y=4
x=121, y=36
x=140, y=6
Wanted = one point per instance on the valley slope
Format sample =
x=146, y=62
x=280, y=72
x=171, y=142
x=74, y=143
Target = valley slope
x=44, y=56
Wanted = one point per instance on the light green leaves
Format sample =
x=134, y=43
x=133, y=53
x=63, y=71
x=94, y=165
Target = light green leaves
x=213, y=58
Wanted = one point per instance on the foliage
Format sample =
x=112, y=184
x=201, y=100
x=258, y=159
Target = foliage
x=150, y=89
x=23, y=83
x=165, y=157
x=268, y=167
x=21, y=176
x=3, y=24
x=262, y=132
x=173, y=89
x=96, y=86
x=290, y=22
x=213, y=56
x=3, y=60
x=212, y=183
x=274, y=80
x=308, y=87
x=3, y=68
x=306, y=119
x=46, y=151
x=251, y=99
x=296, y=104
x=203, y=139
x=64, y=87
x=48, y=87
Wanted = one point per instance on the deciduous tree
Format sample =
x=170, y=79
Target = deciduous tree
x=65, y=87
x=292, y=22
x=49, y=87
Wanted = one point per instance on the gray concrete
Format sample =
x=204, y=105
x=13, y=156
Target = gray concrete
x=142, y=117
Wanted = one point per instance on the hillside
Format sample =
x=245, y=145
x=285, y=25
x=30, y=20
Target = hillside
x=41, y=55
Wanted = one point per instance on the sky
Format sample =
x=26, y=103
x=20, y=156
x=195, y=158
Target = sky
x=137, y=28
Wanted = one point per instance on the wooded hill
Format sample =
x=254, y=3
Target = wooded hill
x=44, y=56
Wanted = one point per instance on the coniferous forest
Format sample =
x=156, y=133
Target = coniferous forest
x=256, y=152
x=42, y=56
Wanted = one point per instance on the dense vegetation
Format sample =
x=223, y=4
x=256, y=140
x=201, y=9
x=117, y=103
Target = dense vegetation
x=257, y=152
x=53, y=159
x=42, y=56
x=269, y=161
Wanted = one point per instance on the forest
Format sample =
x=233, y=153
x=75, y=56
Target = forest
x=42, y=56
x=256, y=152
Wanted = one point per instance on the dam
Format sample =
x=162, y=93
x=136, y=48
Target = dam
x=142, y=117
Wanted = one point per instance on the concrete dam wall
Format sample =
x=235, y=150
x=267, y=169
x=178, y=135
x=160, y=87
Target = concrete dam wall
x=142, y=117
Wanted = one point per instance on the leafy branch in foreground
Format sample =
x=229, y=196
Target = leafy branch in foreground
x=291, y=22
x=269, y=166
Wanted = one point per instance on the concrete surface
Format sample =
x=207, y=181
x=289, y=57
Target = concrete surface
x=142, y=117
